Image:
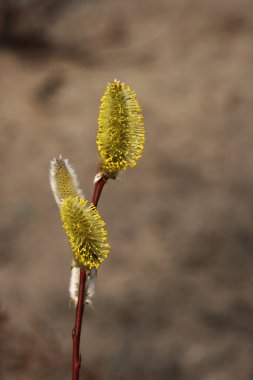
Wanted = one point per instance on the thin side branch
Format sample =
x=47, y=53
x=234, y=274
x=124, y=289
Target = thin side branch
x=97, y=190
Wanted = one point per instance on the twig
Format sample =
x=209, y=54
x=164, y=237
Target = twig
x=97, y=191
x=76, y=332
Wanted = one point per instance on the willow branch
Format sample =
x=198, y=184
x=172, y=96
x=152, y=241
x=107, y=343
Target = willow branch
x=77, y=329
x=76, y=332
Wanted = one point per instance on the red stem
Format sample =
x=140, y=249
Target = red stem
x=76, y=332
x=97, y=190
x=77, y=329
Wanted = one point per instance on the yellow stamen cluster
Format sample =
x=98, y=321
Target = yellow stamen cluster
x=121, y=133
x=63, y=180
x=86, y=233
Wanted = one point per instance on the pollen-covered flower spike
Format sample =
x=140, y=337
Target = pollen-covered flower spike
x=63, y=180
x=86, y=233
x=121, y=133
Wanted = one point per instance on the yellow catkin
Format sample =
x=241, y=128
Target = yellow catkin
x=86, y=233
x=121, y=133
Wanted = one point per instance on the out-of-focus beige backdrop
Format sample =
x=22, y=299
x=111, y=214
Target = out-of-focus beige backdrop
x=174, y=299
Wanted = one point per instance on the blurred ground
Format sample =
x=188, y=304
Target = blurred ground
x=174, y=300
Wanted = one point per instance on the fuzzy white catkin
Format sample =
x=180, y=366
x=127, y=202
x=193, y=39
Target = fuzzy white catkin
x=74, y=285
x=90, y=286
x=63, y=180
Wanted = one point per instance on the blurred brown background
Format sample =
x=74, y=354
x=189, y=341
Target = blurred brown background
x=174, y=300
